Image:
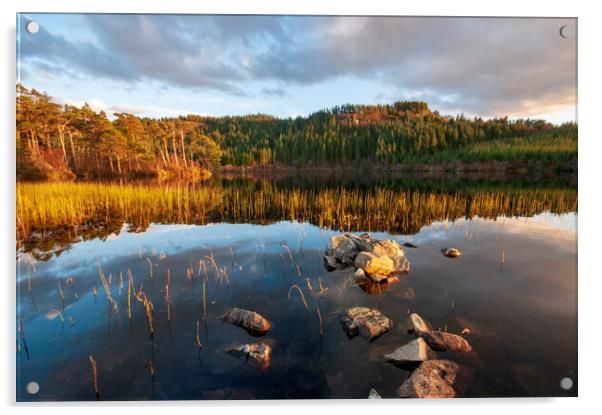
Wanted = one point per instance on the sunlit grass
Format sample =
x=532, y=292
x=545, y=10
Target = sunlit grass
x=48, y=206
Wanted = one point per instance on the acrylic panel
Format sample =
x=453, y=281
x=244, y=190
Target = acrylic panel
x=288, y=207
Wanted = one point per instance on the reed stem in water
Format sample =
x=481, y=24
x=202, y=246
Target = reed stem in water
x=300, y=292
x=167, y=295
x=94, y=377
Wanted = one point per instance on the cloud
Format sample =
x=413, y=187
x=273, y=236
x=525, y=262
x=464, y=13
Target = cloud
x=485, y=66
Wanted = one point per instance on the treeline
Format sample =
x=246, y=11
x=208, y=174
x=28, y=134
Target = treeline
x=55, y=139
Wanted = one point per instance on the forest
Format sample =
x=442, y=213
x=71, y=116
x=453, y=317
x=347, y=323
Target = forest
x=60, y=142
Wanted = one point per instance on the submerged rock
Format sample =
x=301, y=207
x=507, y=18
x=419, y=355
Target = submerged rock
x=409, y=245
x=374, y=395
x=436, y=379
x=371, y=287
x=254, y=323
x=259, y=353
x=451, y=252
x=446, y=342
x=418, y=324
x=411, y=353
x=369, y=323
x=377, y=258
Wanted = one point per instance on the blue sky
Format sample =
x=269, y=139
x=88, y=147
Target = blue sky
x=166, y=65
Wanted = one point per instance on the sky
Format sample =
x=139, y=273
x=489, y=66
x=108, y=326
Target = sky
x=288, y=66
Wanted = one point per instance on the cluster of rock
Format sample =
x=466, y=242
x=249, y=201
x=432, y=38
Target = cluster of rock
x=259, y=353
x=431, y=377
x=378, y=259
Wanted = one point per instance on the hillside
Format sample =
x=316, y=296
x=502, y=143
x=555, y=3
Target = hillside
x=55, y=141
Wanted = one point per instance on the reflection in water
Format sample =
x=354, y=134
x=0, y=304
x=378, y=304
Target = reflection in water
x=522, y=319
x=245, y=244
x=51, y=216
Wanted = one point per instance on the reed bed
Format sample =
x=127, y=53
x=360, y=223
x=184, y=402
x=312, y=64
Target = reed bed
x=48, y=206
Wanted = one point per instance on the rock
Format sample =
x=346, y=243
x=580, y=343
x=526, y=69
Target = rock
x=254, y=323
x=259, y=353
x=374, y=395
x=446, y=342
x=378, y=258
x=451, y=252
x=436, y=379
x=331, y=264
x=409, y=245
x=418, y=324
x=369, y=323
x=373, y=264
x=414, y=352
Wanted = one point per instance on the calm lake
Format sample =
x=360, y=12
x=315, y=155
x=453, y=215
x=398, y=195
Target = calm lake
x=514, y=287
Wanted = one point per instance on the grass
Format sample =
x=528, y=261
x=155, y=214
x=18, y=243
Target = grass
x=93, y=208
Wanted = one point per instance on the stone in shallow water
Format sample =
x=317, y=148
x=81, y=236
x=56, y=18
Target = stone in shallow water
x=451, y=252
x=446, y=342
x=369, y=323
x=436, y=379
x=411, y=353
x=374, y=395
x=254, y=323
x=419, y=325
x=258, y=353
x=376, y=267
x=378, y=258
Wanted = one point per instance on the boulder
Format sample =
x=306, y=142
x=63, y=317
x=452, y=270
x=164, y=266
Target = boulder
x=436, y=379
x=451, y=252
x=258, y=353
x=374, y=395
x=254, y=323
x=331, y=264
x=373, y=264
x=369, y=323
x=377, y=258
x=418, y=324
x=412, y=353
x=446, y=342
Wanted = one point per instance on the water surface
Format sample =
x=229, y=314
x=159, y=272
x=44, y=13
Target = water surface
x=514, y=288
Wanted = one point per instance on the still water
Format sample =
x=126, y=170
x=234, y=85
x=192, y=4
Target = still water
x=514, y=288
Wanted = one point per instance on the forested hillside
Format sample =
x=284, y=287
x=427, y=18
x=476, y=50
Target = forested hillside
x=55, y=141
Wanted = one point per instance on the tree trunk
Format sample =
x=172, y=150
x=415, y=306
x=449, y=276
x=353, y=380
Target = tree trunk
x=175, y=148
x=61, y=129
x=72, y=148
x=183, y=148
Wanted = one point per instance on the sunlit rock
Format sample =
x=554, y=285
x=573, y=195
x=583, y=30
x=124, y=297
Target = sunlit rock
x=451, y=252
x=436, y=379
x=419, y=325
x=258, y=353
x=446, y=342
x=254, y=323
x=369, y=323
x=377, y=258
x=411, y=353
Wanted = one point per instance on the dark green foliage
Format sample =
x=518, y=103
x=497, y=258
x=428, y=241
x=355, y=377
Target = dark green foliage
x=404, y=132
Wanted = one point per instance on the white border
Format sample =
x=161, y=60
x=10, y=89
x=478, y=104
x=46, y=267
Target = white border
x=590, y=151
